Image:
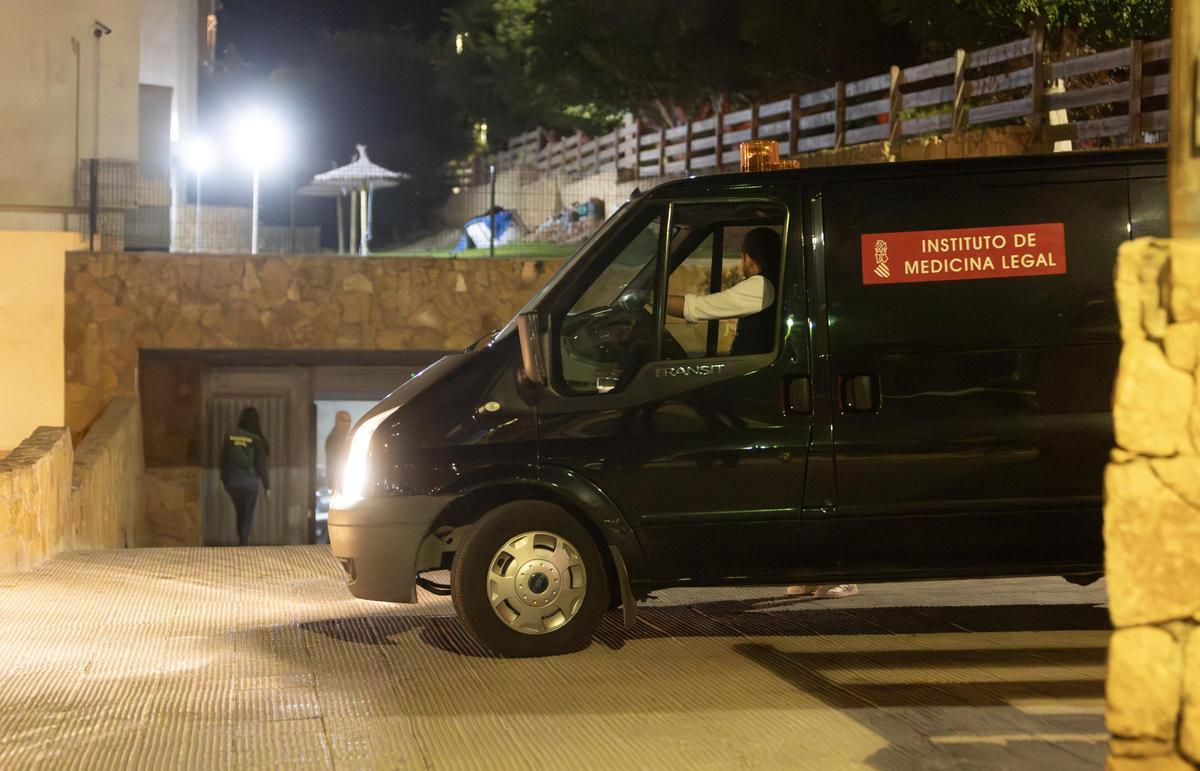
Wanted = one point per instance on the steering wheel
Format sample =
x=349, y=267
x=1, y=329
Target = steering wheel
x=635, y=303
x=621, y=332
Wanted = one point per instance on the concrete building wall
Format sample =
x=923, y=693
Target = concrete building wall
x=31, y=332
x=169, y=46
x=44, y=108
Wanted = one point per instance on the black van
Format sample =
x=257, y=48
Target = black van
x=935, y=402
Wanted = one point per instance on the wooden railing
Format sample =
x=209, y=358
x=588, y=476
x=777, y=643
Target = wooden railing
x=1002, y=84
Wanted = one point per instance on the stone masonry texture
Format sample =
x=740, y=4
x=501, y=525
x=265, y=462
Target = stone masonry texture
x=35, y=499
x=56, y=498
x=108, y=483
x=120, y=303
x=1152, y=510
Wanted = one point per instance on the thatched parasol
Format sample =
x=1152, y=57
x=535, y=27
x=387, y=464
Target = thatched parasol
x=359, y=180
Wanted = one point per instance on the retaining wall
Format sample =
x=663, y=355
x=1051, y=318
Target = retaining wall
x=35, y=499
x=54, y=498
x=118, y=304
x=108, y=483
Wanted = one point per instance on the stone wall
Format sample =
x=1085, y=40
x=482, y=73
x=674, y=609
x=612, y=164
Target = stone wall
x=1152, y=510
x=118, y=304
x=107, y=488
x=988, y=143
x=173, y=506
x=35, y=499
x=55, y=498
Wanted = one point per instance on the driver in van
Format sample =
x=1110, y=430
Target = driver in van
x=750, y=301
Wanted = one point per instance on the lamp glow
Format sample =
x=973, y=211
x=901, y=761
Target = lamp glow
x=198, y=155
x=259, y=138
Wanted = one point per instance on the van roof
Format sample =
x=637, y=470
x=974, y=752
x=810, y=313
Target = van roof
x=1153, y=156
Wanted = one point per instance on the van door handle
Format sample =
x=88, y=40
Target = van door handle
x=799, y=395
x=860, y=392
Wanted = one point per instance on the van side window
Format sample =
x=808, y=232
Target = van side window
x=706, y=259
x=609, y=331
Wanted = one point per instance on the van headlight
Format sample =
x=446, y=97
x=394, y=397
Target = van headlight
x=354, y=473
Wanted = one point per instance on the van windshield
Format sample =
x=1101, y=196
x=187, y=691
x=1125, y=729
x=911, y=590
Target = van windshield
x=619, y=215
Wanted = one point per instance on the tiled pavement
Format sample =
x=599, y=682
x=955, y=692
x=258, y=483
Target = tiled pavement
x=260, y=658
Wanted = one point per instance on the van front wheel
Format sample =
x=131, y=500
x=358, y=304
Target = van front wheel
x=528, y=580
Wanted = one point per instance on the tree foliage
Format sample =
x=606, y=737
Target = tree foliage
x=940, y=26
x=583, y=63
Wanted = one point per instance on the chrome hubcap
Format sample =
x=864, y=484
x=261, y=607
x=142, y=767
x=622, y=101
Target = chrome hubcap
x=536, y=582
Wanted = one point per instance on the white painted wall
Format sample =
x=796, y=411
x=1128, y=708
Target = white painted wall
x=38, y=115
x=170, y=37
x=32, y=312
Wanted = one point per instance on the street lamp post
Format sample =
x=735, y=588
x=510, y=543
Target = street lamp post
x=254, y=213
x=198, y=157
x=259, y=138
x=199, y=212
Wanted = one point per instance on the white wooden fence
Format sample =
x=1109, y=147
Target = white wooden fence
x=1116, y=96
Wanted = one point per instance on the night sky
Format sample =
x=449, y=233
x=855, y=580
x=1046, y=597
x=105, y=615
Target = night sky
x=269, y=33
x=275, y=55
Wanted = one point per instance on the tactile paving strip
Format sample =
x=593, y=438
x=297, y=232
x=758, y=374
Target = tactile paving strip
x=260, y=658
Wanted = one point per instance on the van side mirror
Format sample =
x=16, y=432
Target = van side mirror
x=533, y=362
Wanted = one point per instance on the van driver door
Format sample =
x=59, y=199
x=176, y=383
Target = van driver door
x=703, y=452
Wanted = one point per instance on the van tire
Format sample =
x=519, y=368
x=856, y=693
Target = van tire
x=470, y=579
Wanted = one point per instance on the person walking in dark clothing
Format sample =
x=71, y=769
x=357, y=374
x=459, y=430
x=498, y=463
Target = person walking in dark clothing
x=243, y=465
x=336, y=445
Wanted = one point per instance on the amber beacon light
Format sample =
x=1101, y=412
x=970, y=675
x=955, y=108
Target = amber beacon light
x=763, y=155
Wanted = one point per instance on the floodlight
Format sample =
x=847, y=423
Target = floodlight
x=198, y=155
x=259, y=138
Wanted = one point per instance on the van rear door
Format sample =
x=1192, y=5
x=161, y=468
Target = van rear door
x=973, y=343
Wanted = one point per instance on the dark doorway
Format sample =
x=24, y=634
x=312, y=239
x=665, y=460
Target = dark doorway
x=190, y=398
x=354, y=390
x=280, y=394
x=326, y=466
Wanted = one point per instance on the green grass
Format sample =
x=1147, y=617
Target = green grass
x=527, y=250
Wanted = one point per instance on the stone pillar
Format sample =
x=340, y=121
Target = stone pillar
x=1152, y=510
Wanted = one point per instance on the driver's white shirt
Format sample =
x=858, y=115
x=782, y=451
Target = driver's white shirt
x=743, y=299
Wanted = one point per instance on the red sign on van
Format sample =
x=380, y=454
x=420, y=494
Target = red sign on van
x=1006, y=251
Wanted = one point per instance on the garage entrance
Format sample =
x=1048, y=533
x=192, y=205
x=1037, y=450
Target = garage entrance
x=280, y=396
x=192, y=399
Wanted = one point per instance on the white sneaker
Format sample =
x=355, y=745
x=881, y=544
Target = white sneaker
x=827, y=591
x=836, y=592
